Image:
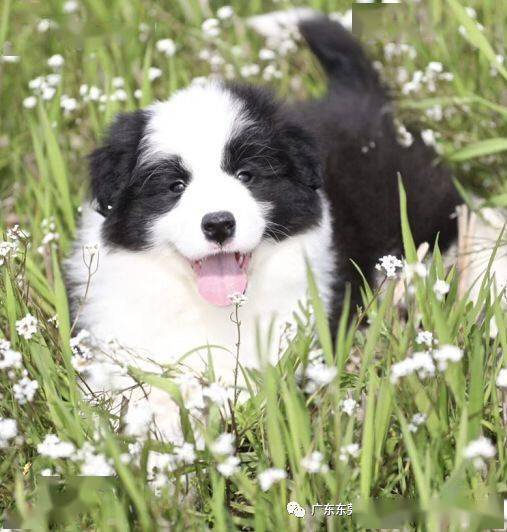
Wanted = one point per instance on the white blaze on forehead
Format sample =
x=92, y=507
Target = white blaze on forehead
x=195, y=124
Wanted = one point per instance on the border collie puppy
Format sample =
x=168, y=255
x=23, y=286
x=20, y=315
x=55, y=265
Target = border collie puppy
x=223, y=190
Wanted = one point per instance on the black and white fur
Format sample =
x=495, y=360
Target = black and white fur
x=314, y=195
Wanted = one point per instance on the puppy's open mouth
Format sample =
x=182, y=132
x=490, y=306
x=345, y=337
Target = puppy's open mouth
x=222, y=275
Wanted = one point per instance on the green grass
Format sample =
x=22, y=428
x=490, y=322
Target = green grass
x=43, y=175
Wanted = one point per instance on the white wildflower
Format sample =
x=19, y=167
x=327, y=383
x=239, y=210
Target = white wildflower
x=48, y=93
x=158, y=462
x=435, y=113
x=154, y=73
x=185, y=453
x=45, y=25
x=348, y=406
x=223, y=445
x=404, y=137
x=216, y=393
x=94, y=93
x=27, y=326
x=471, y=12
x=501, y=380
x=56, y=61
x=319, y=375
x=429, y=137
x=10, y=359
x=500, y=59
x=389, y=263
x=68, y=104
x=313, y=463
x=225, y=12
x=24, y=390
x=435, y=66
x=6, y=248
x=415, y=84
x=417, y=420
x=210, y=28
x=229, y=466
x=118, y=82
x=50, y=237
x=53, y=80
x=420, y=363
x=351, y=450
x=441, y=288
x=269, y=477
x=238, y=299
x=265, y=54
x=447, y=353
x=97, y=465
x=36, y=84
x=53, y=447
x=166, y=46
x=249, y=70
x=120, y=95
x=216, y=61
x=287, y=46
x=138, y=94
x=425, y=338
x=15, y=233
x=8, y=431
x=205, y=54
x=479, y=449
x=71, y=6
x=271, y=72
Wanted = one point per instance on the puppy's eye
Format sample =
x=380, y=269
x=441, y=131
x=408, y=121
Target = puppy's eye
x=177, y=187
x=244, y=177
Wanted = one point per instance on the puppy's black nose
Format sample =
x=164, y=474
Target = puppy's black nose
x=218, y=226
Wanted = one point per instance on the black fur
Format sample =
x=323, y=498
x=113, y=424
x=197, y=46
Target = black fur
x=362, y=186
x=112, y=164
x=283, y=158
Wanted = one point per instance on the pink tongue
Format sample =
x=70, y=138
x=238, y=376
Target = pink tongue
x=219, y=277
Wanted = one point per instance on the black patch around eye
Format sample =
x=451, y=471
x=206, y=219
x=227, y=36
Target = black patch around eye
x=156, y=178
x=149, y=194
x=284, y=159
x=251, y=151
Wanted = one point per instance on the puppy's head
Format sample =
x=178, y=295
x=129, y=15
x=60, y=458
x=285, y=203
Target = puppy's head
x=209, y=173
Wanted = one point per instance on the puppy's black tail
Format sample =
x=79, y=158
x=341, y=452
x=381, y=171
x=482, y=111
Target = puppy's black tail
x=341, y=56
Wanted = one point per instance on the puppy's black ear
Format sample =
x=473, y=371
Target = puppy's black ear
x=112, y=164
x=304, y=156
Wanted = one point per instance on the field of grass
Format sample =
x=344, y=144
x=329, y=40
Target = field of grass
x=351, y=438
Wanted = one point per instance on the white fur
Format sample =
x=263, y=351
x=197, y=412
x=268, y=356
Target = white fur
x=148, y=300
x=149, y=303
